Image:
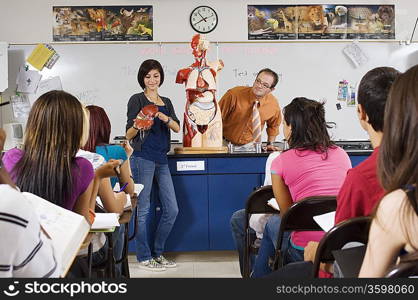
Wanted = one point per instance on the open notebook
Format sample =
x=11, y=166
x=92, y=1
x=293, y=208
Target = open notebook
x=66, y=229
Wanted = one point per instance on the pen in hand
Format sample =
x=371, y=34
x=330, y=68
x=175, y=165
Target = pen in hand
x=123, y=187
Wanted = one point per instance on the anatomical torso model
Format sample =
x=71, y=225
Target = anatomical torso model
x=202, y=125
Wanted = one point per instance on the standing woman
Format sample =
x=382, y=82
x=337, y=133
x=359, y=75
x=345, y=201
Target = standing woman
x=149, y=160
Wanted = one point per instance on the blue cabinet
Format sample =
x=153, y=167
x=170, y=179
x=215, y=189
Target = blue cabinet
x=227, y=194
x=209, y=189
x=190, y=231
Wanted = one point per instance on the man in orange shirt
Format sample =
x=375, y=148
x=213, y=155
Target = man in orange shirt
x=237, y=110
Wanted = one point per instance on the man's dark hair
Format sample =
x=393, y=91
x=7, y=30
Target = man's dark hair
x=373, y=92
x=272, y=73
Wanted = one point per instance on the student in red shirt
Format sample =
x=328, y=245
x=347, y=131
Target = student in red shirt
x=361, y=189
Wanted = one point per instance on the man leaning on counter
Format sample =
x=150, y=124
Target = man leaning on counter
x=245, y=110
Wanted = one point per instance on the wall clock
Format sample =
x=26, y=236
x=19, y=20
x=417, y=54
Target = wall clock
x=203, y=19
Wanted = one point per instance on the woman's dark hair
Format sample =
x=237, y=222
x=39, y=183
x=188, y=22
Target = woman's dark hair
x=398, y=154
x=52, y=138
x=146, y=67
x=309, y=128
x=100, y=128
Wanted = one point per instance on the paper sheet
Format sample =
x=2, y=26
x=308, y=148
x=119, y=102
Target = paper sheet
x=325, y=221
x=20, y=106
x=105, y=221
x=273, y=203
x=27, y=80
x=39, y=56
x=50, y=84
x=355, y=54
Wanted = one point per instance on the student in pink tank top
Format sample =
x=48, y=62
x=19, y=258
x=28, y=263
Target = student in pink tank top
x=312, y=166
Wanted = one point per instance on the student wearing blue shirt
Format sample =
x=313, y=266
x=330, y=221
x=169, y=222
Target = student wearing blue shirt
x=149, y=161
x=98, y=141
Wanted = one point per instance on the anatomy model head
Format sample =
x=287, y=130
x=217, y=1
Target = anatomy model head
x=199, y=45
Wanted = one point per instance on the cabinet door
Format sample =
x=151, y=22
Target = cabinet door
x=190, y=231
x=227, y=194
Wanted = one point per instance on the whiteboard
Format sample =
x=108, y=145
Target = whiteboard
x=3, y=66
x=105, y=74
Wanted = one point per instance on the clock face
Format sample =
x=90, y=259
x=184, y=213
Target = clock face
x=203, y=19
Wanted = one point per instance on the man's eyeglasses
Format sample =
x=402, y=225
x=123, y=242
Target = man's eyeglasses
x=263, y=84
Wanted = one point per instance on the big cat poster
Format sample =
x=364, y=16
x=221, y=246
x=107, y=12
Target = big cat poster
x=281, y=22
x=103, y=23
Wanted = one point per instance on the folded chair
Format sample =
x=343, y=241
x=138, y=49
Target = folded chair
x=299, y=217
x=256, y=204
x=351, y=230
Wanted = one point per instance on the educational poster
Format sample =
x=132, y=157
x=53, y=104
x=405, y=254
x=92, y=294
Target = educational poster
x=275, y=22
x=371, y=22
x=271, y=22
x=103, y=23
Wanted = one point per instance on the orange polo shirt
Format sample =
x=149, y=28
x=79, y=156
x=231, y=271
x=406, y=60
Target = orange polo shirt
x=236, y=108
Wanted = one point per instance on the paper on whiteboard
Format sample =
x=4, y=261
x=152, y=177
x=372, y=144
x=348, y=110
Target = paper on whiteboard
x=20, y=106
x=50, y=84
x=27, y=80
x=325, y=221
x=355, y=54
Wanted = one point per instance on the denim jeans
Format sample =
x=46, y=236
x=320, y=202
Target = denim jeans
x=268, y=246
x=144, y=171
x=238, y=235
x=293, y=254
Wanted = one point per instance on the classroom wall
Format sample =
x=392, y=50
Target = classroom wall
x=310, y=68
x=29, y=21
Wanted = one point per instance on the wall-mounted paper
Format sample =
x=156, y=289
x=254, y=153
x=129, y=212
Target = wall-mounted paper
x=53, y=83
x=355, y=54
x=27, y=80
x=39, y=56
x=20, y=106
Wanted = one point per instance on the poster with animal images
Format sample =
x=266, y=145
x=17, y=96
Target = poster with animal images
x=102, y=23
x=274, y=22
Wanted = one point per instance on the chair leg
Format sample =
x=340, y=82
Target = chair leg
x=89, y=259
x=124, y=259
x=110, y=257
x=246, y=259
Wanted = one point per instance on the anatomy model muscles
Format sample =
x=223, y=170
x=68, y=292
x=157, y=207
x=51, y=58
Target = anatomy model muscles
x=202, y=125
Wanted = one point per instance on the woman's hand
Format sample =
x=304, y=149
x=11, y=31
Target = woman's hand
x=162, y=117
x=109, y=169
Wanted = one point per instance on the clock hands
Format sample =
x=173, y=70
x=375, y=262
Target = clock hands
x=203, y=18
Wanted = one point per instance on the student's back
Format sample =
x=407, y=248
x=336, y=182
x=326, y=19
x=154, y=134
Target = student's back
x=25, y=251
x=308, y=173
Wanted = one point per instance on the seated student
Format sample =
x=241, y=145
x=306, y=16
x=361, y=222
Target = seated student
x=395, y=224
x=47, y=166
x=321, y=169
x=257, y=221
x=361, y=190
x=98, y=141
x=25, y=249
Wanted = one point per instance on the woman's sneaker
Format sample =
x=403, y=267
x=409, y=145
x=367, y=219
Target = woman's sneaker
x=165, y=262
x=151, y=265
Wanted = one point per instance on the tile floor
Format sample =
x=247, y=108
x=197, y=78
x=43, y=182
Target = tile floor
x=207, y=264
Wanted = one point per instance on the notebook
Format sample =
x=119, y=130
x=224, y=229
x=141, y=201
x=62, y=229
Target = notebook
x=66, y=229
